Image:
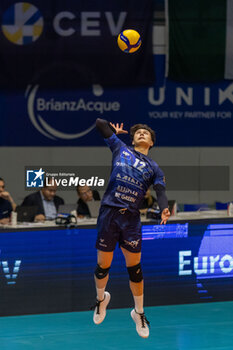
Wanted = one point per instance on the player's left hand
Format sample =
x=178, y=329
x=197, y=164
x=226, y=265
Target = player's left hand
x=165, y=216
x=119, y=128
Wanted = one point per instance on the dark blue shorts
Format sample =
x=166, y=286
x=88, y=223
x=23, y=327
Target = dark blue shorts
x=116, y=225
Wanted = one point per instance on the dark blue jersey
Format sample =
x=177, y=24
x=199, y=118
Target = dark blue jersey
x=132, y=174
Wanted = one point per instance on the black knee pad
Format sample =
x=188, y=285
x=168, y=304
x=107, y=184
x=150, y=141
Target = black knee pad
x=135, y=273
x=101, y=273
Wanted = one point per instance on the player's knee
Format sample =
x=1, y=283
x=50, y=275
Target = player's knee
x=100, y=273
x=135, y=273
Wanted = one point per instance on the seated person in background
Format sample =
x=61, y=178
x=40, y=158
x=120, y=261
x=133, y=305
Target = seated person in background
x=86, y=194
x=148, y=202
x=46, y=201
x=7, y=204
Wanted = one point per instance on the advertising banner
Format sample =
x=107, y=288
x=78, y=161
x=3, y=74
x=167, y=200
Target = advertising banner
x=181, y=114
x=73, y=44
x=182, y=263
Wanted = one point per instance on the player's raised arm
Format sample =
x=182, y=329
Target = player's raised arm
x=107, y=129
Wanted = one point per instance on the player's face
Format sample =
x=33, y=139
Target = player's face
x=142, y=137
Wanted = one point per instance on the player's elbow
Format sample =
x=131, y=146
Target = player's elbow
x=99, y=123
x=104, y=128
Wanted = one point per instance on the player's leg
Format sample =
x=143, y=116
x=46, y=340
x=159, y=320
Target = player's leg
x=135, y=277
x=104, y=260
x=136, y=285
x=105, y=245
x=106, y=242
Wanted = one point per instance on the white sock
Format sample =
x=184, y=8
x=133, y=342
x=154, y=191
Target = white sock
x=100, y=293
x=138, y=300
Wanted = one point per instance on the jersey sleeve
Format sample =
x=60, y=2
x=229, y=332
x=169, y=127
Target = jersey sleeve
x=159, y=177
x=159, y=186
x=105, y=128
x=114, y=143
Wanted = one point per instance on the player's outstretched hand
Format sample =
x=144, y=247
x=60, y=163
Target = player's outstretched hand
x=165, y=216
x=119, y=129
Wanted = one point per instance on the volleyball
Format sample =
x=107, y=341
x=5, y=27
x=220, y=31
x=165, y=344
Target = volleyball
x=129, y=40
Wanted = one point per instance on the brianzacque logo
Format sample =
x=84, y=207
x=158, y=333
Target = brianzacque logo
x=22, y=23
x=41, y=108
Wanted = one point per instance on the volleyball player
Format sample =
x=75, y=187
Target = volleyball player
x=119, y=219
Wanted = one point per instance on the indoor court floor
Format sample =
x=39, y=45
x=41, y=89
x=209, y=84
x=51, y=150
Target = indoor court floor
x=207, y=326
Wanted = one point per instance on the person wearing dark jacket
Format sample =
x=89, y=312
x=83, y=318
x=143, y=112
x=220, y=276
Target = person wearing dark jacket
x=86, y=194
x=7, y=204
x=46, y=201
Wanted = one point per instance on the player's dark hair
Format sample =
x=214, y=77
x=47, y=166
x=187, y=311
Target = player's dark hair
x=1, y=179
x=135, y=127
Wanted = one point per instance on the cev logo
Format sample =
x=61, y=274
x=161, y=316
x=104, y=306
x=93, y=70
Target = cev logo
x=22, y=23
